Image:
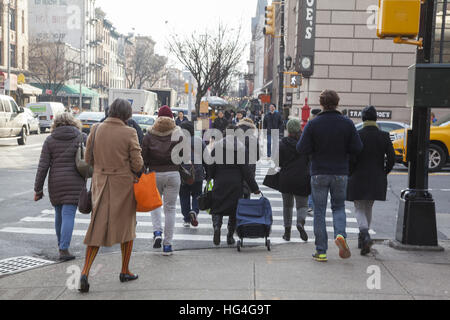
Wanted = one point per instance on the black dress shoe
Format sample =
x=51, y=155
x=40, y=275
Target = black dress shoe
x=230, y=239
x=84, y=285
x=127, y=277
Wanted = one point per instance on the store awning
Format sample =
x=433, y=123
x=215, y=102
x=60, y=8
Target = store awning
x=29, y=90
x=70, y=90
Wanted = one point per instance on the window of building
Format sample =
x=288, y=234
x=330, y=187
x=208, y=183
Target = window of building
x=23, y=22
x=442, y=32
x=12, y=24
x=23, y=58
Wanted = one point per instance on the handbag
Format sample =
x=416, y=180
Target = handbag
x=205, y=199
x=85, y=169
x=146, y=193
x=187, y=175
x=272, y=180
x=85, y=201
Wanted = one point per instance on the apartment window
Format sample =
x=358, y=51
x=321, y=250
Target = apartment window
x=23, y=58
x=23, y=22
x=1, y=53
x=12, y=24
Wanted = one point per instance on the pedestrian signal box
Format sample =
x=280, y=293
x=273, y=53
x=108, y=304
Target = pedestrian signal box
x=399, y=18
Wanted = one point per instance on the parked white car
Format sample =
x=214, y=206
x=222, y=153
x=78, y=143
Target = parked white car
x=33, y=122
x=47, y=111
x=13, y=121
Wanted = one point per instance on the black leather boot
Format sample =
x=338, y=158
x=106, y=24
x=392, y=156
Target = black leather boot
x=301, y=229
x=230, y=237
x=367, y=243
x=287, y=234
x=217, y=236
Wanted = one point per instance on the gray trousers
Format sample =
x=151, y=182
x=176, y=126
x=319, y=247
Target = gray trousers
x=168, y=184
x=288, y=208
x=363, y=211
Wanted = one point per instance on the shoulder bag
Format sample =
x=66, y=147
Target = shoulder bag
x=85, y=200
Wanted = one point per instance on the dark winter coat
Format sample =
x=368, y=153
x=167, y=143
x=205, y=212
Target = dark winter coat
x=295, y=169
x=273, y=122
x=252, y=152
x=369, y=170
x=331, y=139
x=229, y=178
x=178, y=122
x=158, y=146
x=200, y=174
x=58, y=156
x=221, y=124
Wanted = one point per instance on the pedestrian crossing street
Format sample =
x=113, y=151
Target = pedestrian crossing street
x=43, y=224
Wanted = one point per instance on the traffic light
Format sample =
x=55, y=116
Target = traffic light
x=399, y=19
x=270, y=21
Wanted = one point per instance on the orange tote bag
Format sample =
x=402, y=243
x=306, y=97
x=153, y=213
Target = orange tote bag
x=147, y=194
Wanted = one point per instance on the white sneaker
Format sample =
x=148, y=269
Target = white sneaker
x=187, y=225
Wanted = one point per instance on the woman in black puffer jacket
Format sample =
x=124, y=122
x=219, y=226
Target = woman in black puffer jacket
x=64, y=182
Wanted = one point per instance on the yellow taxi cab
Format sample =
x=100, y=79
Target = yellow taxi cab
x=439, y=144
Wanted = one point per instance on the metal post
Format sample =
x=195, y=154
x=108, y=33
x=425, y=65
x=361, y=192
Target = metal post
x=417, y=214
x=442, y=43
x=281, y=66
x=8, y=29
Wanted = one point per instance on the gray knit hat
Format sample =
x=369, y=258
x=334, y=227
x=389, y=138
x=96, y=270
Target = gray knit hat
x=294, y=126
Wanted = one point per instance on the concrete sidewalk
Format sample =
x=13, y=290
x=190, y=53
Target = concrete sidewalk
x=286, y=273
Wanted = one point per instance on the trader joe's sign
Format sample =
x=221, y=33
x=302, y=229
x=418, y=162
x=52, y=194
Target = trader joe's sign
x=306, y=38
x=57, y=21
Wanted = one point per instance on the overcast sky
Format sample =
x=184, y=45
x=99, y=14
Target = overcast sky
x=159, y=18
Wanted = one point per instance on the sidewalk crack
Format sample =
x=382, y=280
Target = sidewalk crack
x=396, y=280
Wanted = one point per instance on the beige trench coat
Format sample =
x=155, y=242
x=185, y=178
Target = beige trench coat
x=116, y=155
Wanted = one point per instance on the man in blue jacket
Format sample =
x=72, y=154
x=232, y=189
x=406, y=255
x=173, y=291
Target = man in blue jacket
x=272, y=122
x=330, y=139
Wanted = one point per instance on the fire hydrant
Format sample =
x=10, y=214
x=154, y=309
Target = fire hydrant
x=306, y=113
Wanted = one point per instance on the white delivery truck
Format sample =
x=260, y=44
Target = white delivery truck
x=166, y=97
x=46, y=111
x=142, y=101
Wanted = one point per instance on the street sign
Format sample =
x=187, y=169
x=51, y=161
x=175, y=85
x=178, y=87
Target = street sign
x=306, y=39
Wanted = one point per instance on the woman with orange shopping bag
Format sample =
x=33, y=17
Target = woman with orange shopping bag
x=157, y=153
x=116, y=158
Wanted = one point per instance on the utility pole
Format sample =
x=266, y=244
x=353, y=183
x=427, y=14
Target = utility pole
x=282, y=53
x=8, y=28
x=417, y=214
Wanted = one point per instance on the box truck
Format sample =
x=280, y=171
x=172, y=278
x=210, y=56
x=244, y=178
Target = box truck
x=166, y=97
x=142, y=101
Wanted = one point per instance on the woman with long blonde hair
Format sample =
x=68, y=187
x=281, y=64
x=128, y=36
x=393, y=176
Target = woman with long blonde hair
x=64, y=182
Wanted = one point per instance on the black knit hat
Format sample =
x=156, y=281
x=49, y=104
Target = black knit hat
x=369, y=114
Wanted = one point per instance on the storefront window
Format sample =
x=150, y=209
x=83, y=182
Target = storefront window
x=442, y=32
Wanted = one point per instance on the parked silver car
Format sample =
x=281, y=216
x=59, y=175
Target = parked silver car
x=33, y=122
x=13, y=121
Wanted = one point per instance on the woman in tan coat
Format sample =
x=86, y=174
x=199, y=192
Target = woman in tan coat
x=114, y=152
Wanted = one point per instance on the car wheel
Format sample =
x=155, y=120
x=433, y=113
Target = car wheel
x=438, y=158
x=23, y=137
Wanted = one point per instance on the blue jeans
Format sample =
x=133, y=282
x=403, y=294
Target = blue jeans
x=64, y=223
x=269, y=145
x=186, y=192
x=310, y=202
x=321, y=187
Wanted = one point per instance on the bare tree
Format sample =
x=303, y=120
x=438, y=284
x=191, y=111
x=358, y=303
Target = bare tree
x=51, y=65
x=210, y=57
x=144, y=67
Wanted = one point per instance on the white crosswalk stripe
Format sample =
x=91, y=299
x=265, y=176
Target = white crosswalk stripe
x=42, y=225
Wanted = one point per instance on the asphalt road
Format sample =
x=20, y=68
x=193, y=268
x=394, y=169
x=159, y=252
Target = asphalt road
x=26, y=227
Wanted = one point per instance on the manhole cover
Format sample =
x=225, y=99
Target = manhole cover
x=15, y=265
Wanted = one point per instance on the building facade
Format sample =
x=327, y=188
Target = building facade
x=18, y=29
x=348, y=58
